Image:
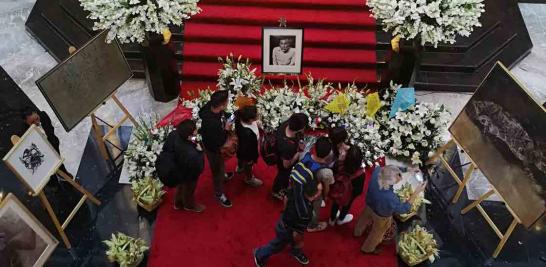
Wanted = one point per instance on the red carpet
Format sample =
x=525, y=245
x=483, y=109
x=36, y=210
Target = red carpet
x=225, y=237
x=339, y=38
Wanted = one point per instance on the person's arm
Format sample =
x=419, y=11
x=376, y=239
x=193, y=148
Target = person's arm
x=293, y=59
x=302, y=208
x=275, y=51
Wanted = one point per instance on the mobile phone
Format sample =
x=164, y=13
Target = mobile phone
x=231, y=118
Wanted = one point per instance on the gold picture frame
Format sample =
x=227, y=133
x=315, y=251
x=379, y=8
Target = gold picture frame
x=27, y=240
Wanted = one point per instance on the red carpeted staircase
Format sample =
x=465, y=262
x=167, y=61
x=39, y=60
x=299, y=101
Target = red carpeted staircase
x=222, y=237
x=339, y=38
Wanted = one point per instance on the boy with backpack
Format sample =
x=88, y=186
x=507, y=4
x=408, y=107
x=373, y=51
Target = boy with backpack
x=314, y=166
x=291, y=226
x=286, y=150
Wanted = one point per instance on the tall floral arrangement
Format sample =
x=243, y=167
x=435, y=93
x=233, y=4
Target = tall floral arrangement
x=363, y=131
x=413, y=133
x=144, y=148
x=238, y=76
x=316, y=93
x=130, y=20
x=431, y=21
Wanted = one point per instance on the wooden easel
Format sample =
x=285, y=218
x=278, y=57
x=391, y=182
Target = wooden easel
x=49, y=209
x=97, y=130
x=461, y=182
x=477, y=203
x=502, y=236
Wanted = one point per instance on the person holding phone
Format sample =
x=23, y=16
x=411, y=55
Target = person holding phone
x=381, y=204
x=214, y=131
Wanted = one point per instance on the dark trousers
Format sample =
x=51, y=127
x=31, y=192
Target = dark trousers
x=217, y=167
x=284, y=236
x=358, y=187
x=282, y=179
x=343, y=212
x=184, y=196
x=245, y=168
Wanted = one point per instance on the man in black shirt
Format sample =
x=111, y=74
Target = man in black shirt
x=292, y=224
x=214, y=131
x=289, y=140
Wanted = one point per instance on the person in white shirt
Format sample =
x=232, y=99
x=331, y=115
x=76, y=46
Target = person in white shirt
x=284, y=54
x=247, y=128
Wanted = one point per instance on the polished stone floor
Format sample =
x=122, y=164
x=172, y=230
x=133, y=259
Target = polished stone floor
x=25, y=61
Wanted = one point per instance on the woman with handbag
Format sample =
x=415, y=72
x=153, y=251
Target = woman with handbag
x=348, y=186
x=248, y=135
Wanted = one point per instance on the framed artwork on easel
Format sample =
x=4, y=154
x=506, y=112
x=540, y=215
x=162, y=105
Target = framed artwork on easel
x=25, y=241
x=33, y=159
x=282, y=50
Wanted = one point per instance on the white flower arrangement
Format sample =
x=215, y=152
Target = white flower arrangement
x=144, y=148
x=315, y=101
x=432, y=21
x=238, y=77
x=276, y=105
x=363, y=131
x=130, y=20
x=414, y=133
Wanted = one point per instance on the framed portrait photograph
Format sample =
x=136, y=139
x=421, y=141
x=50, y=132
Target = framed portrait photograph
x=33, y=159
x=24, y=241
x=282, y=50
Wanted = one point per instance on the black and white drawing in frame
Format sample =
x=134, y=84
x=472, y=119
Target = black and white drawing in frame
x=24, y=241
x=33, y=159
x=282, y=50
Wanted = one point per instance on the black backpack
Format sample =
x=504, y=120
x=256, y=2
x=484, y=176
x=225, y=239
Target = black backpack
x=166, y=163
x=268, y=148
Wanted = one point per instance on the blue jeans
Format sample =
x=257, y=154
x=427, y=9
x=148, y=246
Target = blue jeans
x=283, y=238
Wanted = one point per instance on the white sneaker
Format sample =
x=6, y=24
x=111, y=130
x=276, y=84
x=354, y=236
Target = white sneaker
x=348, y=218
x=322, y=204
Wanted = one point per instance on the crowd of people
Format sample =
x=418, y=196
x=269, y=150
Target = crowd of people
x=330, y=169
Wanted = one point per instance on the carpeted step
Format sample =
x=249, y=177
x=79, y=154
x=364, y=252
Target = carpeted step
x=205, y=71
x=304, y=4
x=245, y=34
x=339, y=39
x=318, y=56
x=263, y=16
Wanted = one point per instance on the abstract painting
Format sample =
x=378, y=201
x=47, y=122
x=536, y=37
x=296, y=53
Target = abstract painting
x=24, y=241
x=503, y=130
x=33, y=159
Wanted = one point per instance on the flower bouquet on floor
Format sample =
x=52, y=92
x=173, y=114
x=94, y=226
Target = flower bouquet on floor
x=147, y=193
x=417, y=245
x=413, y=134
x=125, y=250
x=144, y=148
x=404, y=193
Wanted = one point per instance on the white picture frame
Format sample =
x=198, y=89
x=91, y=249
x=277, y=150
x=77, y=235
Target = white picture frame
x=282, y=50
x=24, y=237
x=33, y=159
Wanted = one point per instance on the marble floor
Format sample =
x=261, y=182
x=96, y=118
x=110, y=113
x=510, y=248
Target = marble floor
x=25, y=61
